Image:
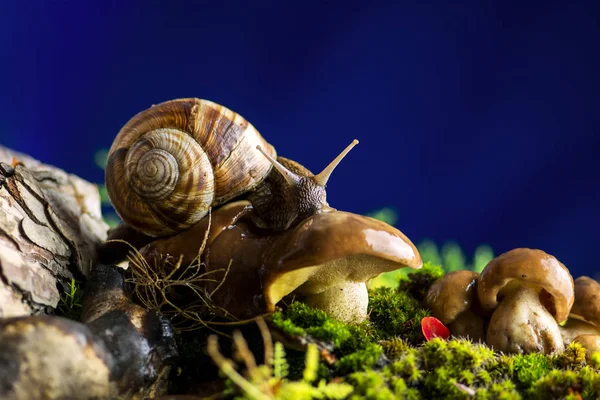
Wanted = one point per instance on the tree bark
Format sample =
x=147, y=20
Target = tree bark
x=50, y=226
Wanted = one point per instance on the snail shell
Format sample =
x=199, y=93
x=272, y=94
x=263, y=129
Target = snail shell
x=174, y=161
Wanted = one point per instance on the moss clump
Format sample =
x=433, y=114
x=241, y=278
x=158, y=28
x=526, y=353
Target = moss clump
x=529, y=368
x=417, y=283
x=393, y=347
x=573, y=356
x=459, y=369
x=353, y=347
x=404, y=321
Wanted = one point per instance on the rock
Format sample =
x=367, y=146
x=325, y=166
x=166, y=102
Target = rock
x=47, y=357
x=123, y=351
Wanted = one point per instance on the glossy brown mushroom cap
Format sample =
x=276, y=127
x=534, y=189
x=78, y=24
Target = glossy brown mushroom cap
x=587, y=300
x=249, y=269
x=330, y=249
x=532, y=268
x=452, y=295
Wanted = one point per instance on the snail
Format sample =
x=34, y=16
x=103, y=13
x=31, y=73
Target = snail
x=171, y=163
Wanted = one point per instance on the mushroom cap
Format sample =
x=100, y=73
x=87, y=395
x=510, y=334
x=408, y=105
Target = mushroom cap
x=260, y=266
x=452, y=295
x=591, y=343
x=587, y=300
x=332, y=248
x=527, y=267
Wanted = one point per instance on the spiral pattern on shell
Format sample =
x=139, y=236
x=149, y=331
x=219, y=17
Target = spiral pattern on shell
x=170, y=163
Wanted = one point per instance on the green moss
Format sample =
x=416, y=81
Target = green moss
x=594, y=360
x=417, y=283
x=405, y=321
x=408, y=367
x=394, y=347
x=353, y=346
x=286, y=325
x=304, y=316
x=360, y=360
x=556, y=384
x=529, y=368
x=388, y=358
x=503, y=390
x=590, y=381
x=573, y=357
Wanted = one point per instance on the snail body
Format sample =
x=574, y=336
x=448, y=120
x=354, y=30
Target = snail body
x=171, y=163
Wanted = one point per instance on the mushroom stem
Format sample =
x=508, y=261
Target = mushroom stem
x=346, y=302
x=291, y=178
x=322, y=178
x=521, y=324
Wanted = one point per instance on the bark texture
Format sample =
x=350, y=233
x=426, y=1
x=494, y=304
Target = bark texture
x=50, y=227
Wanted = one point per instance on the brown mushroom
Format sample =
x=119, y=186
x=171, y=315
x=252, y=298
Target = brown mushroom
x=591, y=344
x=584, y=318
x=325, y=260
x=587, y=300
x=453, y=300
x=329, y=258
x=529, y=292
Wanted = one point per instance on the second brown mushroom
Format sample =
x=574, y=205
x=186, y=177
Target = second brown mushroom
x=529, y=293
x=583, y=325
x=453, y=300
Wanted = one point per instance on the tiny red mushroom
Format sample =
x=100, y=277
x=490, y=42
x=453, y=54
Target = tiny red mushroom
x=433, y=327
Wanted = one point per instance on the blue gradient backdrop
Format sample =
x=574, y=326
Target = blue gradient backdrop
x=478, y=122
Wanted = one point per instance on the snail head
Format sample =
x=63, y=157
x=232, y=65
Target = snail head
x=291, y=193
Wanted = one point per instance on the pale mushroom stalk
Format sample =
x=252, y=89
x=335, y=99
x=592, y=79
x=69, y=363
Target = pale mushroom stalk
x=521, y=324
x=352, y=294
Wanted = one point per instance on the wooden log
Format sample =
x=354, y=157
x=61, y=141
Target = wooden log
x=50, y=226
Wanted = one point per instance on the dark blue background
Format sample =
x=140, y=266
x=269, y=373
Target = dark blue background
x=478, y=122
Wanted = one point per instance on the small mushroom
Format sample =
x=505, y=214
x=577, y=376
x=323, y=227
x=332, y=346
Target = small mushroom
x=591, y=344
x=587, y=300
x=529, y=292
x=584, y=318
x=453, y=300
x=325, y=260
